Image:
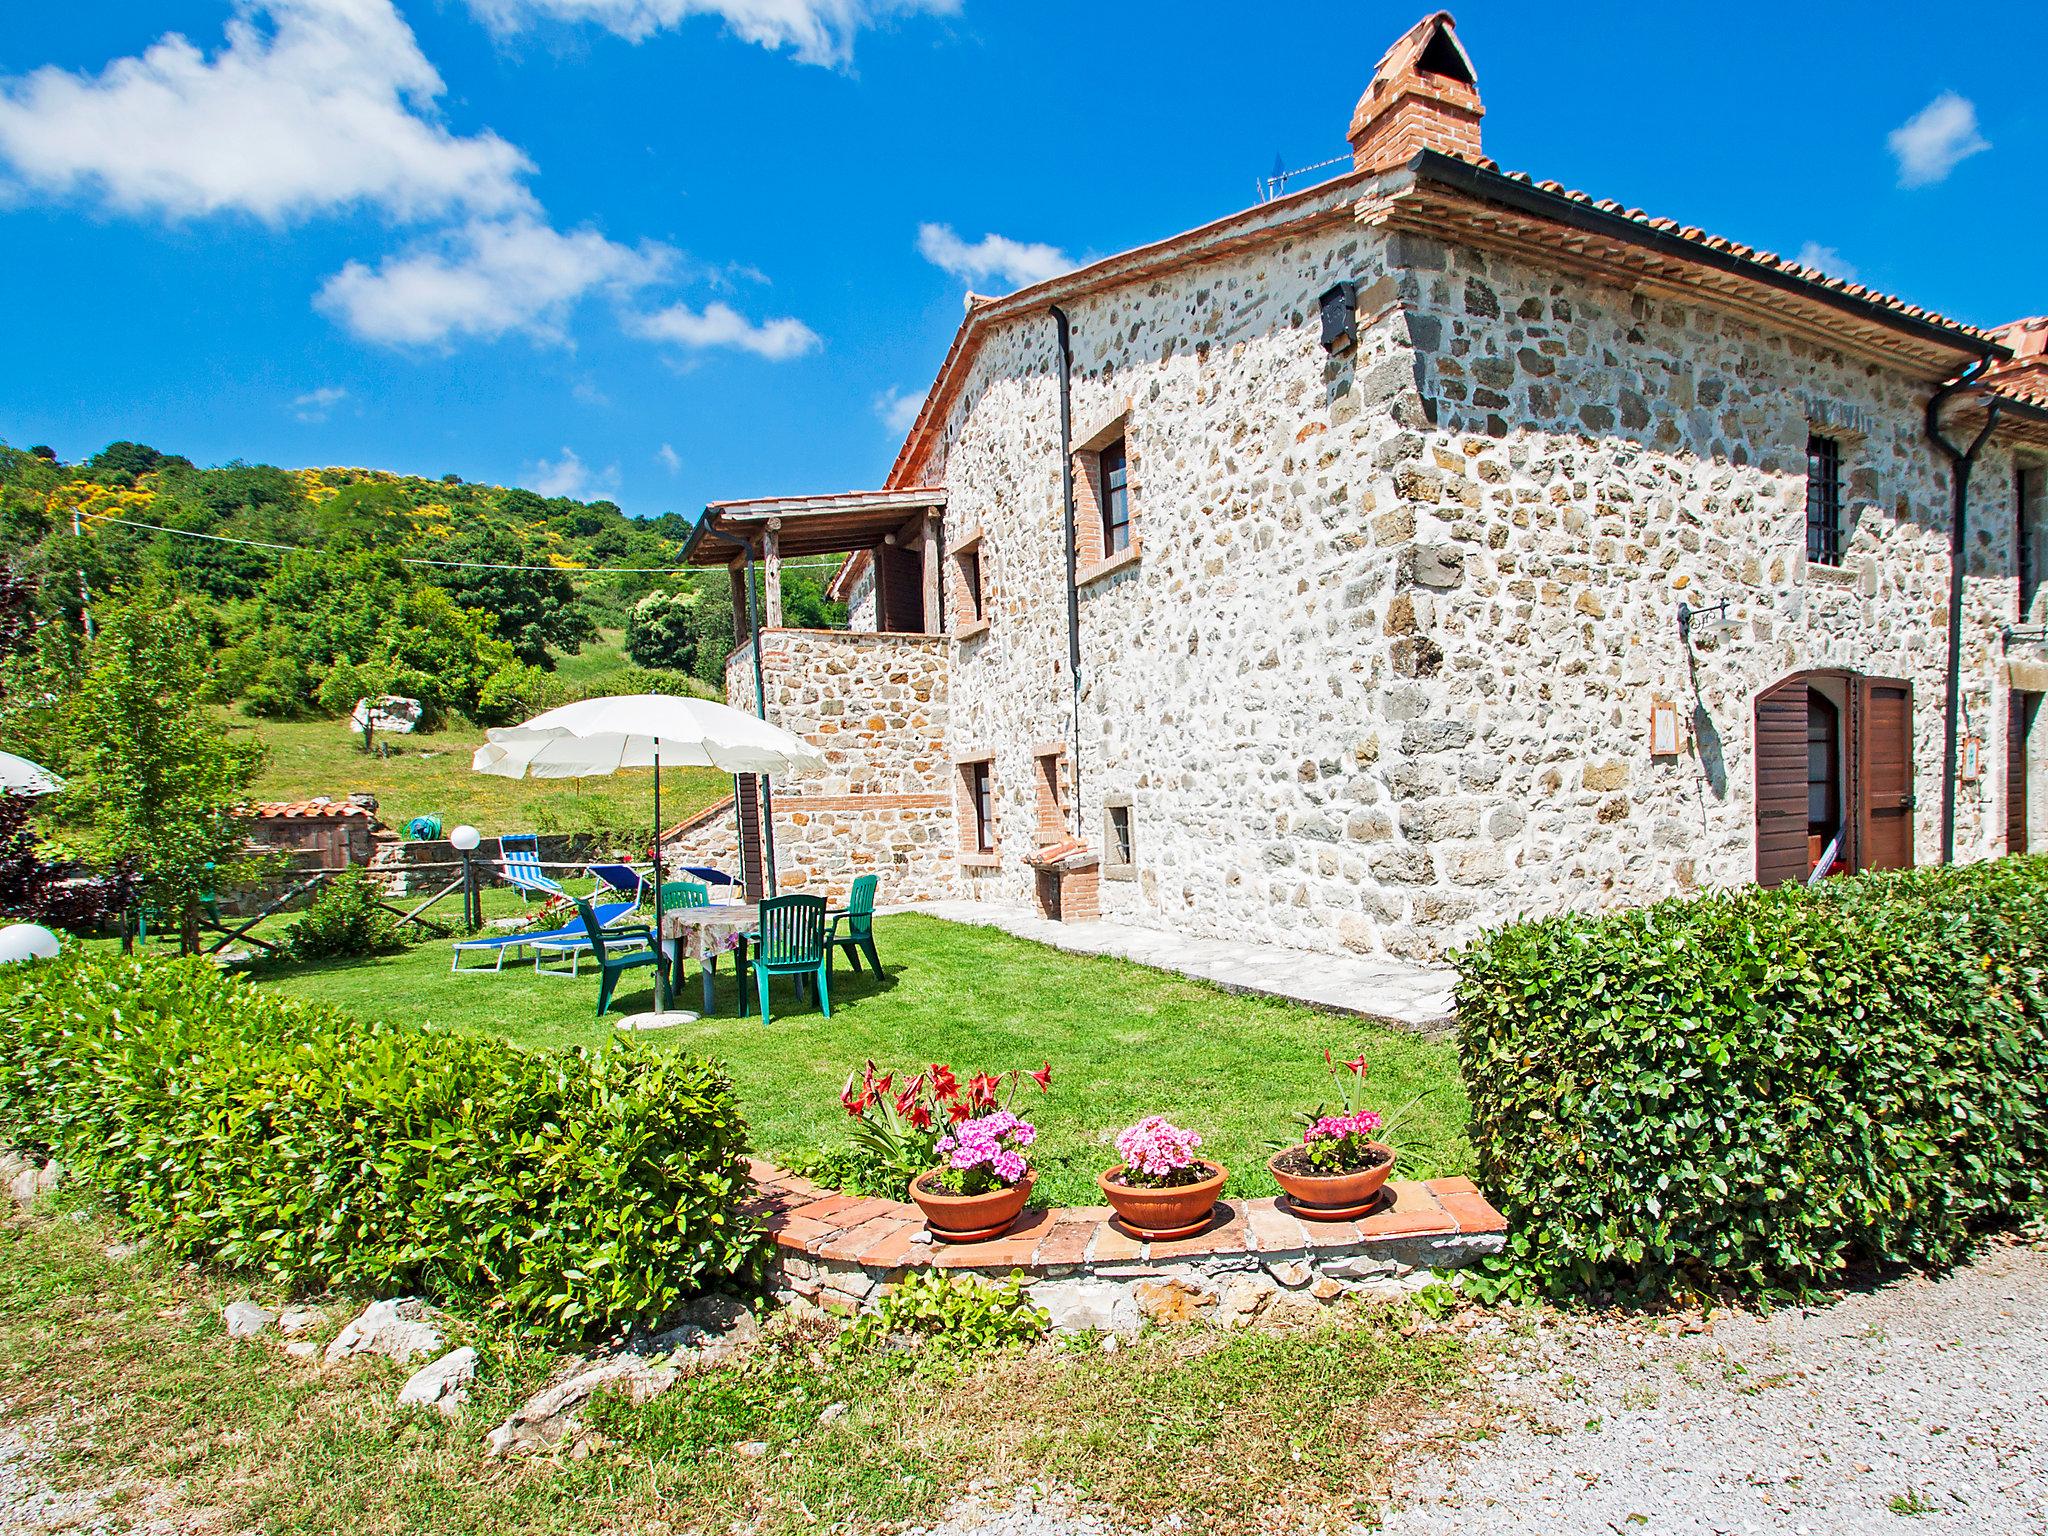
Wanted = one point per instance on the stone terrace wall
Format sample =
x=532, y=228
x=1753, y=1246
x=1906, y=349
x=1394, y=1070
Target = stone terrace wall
x=877, y=706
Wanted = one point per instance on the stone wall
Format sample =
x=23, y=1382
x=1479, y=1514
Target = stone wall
x=877, y=706
x=1383, y=669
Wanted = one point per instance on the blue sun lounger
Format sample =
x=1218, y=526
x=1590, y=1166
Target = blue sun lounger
x=519, y=864
x=501, y=945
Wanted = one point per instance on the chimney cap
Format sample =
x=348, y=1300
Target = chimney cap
x=1424, y=94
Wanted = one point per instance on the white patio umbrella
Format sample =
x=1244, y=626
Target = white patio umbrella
x=642, y=730
x=19, y=776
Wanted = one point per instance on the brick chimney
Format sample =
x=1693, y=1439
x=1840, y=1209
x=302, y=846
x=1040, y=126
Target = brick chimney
x=1424, y=95
x=2026, y=374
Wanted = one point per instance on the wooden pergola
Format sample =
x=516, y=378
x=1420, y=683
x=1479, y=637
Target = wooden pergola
x=903, y=531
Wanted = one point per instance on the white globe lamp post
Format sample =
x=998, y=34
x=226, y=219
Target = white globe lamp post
x=26, y=941
x=464, y=840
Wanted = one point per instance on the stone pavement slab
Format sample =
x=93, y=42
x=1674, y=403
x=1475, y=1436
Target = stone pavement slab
x=1411, y=997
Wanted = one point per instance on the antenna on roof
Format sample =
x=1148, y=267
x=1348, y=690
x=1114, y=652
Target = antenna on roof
x=1274, y=185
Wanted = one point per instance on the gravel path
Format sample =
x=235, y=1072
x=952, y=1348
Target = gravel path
x=1918, y=1407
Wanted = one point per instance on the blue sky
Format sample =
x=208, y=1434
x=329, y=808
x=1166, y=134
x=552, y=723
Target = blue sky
x=675, y=250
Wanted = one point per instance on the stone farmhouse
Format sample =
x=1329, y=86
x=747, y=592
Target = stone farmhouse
x=1428, y=547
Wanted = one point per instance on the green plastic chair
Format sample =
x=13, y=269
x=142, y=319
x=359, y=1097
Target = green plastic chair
x=859, y=917
x=791, y=942
x=684, y=893
x=674, y=895
x=610, y=964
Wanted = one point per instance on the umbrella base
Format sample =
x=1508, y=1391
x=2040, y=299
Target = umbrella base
x=668, y=1020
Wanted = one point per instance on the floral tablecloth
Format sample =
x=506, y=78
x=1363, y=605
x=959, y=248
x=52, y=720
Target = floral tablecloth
x=700, y=933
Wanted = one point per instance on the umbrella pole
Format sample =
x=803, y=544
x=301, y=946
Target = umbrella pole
x=660, y=959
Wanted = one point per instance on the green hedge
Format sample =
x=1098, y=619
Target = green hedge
x=576, y=1191
x=1760, y=1089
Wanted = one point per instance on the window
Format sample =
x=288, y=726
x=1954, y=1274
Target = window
x=981, y=792
x=1114, y=497
x=1823, y=500
x=970, y=580
x=1120, y=833
x=2027, y=496
x=1118, y=847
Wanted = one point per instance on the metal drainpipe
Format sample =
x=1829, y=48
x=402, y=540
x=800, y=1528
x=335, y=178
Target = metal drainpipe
x=1065, y=338
x=1961, y=462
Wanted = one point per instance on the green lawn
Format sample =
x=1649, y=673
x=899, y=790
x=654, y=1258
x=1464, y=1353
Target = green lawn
x=1123, y=1041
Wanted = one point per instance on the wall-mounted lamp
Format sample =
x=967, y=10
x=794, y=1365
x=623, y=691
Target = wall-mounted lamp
x=1339, y=305
x=1689, y=616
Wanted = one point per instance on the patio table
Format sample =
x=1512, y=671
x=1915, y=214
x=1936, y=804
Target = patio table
x=703, y=934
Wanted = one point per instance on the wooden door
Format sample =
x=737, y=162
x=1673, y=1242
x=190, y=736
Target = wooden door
x=2016, y=773
x=747, y=800
x=1781, y=784
x=1881, y=779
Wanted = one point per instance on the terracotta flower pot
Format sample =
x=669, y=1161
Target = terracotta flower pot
x=1332, y=1196
x=1179, y=1211
x=969, y=1218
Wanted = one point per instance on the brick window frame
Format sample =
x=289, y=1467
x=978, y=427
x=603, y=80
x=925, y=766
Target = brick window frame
x=978, y=810
x=1119, y=838
x=969, y=561
x=1092, y=562
x=1050, y=791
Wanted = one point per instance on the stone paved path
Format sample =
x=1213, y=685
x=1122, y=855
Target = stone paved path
x=1407, y=996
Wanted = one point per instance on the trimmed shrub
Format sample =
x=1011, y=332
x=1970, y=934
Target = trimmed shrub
x=347, y=921
x=1757, y=1090
x=575, y=1191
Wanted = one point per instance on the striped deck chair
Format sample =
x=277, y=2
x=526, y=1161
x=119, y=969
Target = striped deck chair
x=519, y=864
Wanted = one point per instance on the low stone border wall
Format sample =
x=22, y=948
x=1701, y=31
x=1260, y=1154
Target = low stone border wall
x=1256, y=1261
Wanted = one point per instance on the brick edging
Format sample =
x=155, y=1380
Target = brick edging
x=843, y=1250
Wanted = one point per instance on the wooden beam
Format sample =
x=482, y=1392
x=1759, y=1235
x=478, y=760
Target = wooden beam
x=738, y=572
x=931, y=573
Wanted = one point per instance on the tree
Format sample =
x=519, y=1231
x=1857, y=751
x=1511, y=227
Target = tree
x=661, y=631
x=533, y=611
x=154, y=781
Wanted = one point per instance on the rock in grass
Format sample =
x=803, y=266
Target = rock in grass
x=244, y=1319
x=293, y=1321
x=403, y=1329
x=444, y=1384
x=26, y=1179
x=554, y=1417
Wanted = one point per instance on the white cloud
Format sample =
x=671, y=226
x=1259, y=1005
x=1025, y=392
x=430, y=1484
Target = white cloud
x=815, y=31
x=993, y=258
x=667, y=457
x=898, y=410
x=315, y=404
x=720, y=325
x=1936, y=139
x=570, y=476
x=1827, y=259
x=485, y=280
x=311, y=105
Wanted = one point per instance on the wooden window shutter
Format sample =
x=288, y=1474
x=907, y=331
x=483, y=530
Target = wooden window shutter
x=1781, y=784
x=2015, y=773
x=1882, y=776
x=747, y=793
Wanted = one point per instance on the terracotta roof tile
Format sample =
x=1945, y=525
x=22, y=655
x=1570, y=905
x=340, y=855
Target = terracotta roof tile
x=308, y=810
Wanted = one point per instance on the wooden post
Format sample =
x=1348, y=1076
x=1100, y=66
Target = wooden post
x=738, y=572
x=771, y=572
x=933, y=624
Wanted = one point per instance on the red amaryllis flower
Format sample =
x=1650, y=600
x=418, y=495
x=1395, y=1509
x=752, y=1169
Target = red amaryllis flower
x=906, y=1098
x=1357, y=1064
x=880, y=1085
x=1043, y=1077
x=944, y=1083
x=854, y=1098
x=920, y=1116
x=982, y=1089
x=957, y=1111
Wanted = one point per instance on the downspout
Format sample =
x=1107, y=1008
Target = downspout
x=1961, y=462
x=1065, y=338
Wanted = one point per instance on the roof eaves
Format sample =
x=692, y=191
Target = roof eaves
x=1551, y=201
